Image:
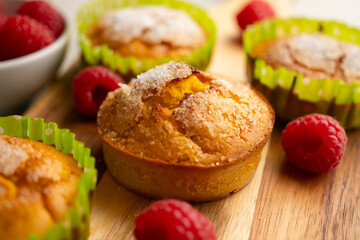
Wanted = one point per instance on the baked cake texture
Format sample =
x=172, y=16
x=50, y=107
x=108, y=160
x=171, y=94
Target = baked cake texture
x=38, y=184
x=178, y=132
x=313, y=55
x=305, y=66
x=148, y=32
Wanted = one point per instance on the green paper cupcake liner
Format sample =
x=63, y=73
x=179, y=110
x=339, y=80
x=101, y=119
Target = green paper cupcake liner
x=93, y=55
x=77, y=222
x=293, y=95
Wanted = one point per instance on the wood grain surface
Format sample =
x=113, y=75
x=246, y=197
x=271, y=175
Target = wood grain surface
x=294, y=204
x=280, y=202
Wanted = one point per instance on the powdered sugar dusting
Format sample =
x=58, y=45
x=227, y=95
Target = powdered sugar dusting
x=153, y=25
x=211, y=125
x=315, y=51
x=153, y=81
x=219, y=121
x=128, y=106
x=48, y=168
x=320, y=46
x=351, y=62
x=222, y=82
x=315, y=56
x=123, y=108
x=11, y=157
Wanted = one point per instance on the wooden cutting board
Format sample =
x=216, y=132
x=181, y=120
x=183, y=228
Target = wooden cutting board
x=280, y=202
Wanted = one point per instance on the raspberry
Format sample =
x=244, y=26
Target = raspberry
x=2, y=16
x=45, y=14
x=21, y=35
x=2, y=19
x=314, y=142
x=173, y=220
x=91, y=86
x=255, y=11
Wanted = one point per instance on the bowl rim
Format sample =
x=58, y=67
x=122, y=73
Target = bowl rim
x=60, y=41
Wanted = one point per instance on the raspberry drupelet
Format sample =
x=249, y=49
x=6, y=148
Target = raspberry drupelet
x=314, y=142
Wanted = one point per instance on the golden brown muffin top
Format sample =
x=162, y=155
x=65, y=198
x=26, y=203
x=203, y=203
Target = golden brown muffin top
x=174, y=113
x=148, y=31
x=37, y=186
x=313, y=55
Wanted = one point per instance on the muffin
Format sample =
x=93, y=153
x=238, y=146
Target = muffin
x=148, y=32
x=133, y=37
x=312, y=55
x=304, y=66
x=181, y=133
x=43, y=192
x=38, y=185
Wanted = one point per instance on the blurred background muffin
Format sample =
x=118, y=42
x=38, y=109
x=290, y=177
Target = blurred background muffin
x=148, y=32
x=38, y=185
x=304, y=66
x=44, y=191
x=132, y=37
x=315, y=56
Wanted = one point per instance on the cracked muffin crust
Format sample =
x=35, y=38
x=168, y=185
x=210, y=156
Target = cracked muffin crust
x=313, y=55
x=180, y=127
x=38, y=184
x=148, y=32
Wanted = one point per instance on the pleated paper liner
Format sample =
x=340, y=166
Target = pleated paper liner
x=293, y=95
x=130, y=65
x=77, y=222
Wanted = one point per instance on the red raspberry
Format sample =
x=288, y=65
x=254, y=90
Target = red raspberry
x=314, y=142
x=173, y=220
x=45, y=14
x=255, y=11
x=21, y=35
x=91, y=87
x=2, y=19
x=2, y=15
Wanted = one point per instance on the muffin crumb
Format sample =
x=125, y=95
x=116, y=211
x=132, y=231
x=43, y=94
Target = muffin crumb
x=178, y=114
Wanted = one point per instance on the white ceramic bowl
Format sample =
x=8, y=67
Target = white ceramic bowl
x=21, y=78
